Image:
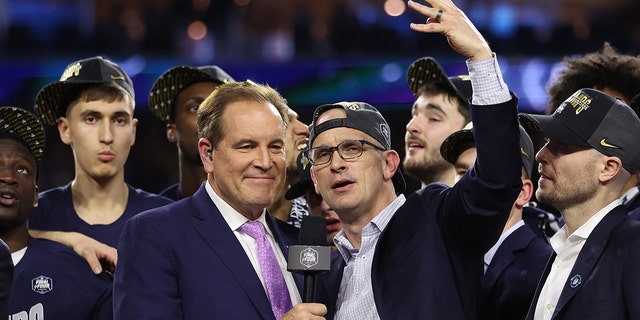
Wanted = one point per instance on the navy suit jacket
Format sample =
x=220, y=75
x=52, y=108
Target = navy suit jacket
x=428, y=261
x=511, y=279
x=635, y=203
x=604, y=283
x=6, y=278
x=182, y=261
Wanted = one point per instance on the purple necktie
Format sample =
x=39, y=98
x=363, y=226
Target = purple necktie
x=271, y=272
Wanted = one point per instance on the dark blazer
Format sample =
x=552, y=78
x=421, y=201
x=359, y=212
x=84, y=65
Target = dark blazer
x=606, y=284
x=635, y=202
x=428, y=261
x=182, y=261
x=6, y=278
x=511, y=279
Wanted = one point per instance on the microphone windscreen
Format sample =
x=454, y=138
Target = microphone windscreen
x=313, y=231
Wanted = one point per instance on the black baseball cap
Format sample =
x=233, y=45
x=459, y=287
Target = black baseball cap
x=427, y=69
x=363, y=117
x=23, y=126
x=457, y=142
x=593, y=119
x=167, y=87
x=52, y=100
x=304, y=181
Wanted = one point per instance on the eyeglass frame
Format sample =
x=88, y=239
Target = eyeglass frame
x=337, y=148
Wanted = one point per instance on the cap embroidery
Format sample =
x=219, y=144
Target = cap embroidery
x=579, y=101
x=71, y=71
x=117, y=77
x=604, y=143
x=304, y=161
x=384, y=130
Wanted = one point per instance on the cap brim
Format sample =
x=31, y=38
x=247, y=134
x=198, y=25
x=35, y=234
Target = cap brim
x=167, y=87
x=553, y=128
x=454, y=144
x=23, y=126
x=52, y=100
x=424, y=70
x=427, y=69
x=298, y=189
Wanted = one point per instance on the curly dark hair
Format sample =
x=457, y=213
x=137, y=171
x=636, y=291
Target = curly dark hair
x=597, y=70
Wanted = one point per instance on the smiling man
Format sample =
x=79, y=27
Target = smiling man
x=440, y=109
x=224, y=231
x=296, y=139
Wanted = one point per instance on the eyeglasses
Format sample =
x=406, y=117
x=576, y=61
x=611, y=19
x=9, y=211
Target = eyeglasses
x=348, y=149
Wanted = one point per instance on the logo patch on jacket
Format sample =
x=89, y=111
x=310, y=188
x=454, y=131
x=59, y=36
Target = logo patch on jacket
x=42, y=284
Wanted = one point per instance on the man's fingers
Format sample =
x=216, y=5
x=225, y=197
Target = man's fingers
x=92, y=260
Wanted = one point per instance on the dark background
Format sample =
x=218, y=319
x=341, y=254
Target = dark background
x=313, y=52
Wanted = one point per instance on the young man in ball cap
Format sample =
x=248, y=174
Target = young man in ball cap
x=174, y=98
x=50, y=280
x=93, y=107
x=440, y=109
x=591, y=151
x=514, y=265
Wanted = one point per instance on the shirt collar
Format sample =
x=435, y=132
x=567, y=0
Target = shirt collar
x=379, y=222
x=584, y=230
x=234, y=218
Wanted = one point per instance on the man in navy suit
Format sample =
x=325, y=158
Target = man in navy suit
x=193, y=259
x=420, y=256
x=514, y=265
x=590, y=154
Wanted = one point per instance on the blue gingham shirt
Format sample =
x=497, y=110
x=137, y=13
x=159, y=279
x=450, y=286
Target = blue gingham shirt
x=355, y=298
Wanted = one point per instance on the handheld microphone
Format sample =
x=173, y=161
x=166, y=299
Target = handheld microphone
x=312, y=256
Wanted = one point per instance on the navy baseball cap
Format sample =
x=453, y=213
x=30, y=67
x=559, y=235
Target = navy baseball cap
x=457, y=142
x=167, y=87
x=23, y=126
x=593, y=119
x=304, y=181
x=363, y=117
x=52, y=100
x=427, y=69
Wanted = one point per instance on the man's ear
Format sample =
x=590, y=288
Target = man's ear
x=171, y=132
x=611, y=168
x=63, y=129
x=392, y=162
x=35, y=197
x=526, y=192
x=205, y=149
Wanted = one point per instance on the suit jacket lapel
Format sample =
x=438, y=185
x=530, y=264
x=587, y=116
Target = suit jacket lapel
x=589, y=255
x=506, y=254
x=215, y=232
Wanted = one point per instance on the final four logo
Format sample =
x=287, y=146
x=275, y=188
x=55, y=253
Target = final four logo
x=309, y=257
x=42, y=284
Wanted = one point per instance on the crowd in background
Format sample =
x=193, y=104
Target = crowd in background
x=556, y=193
